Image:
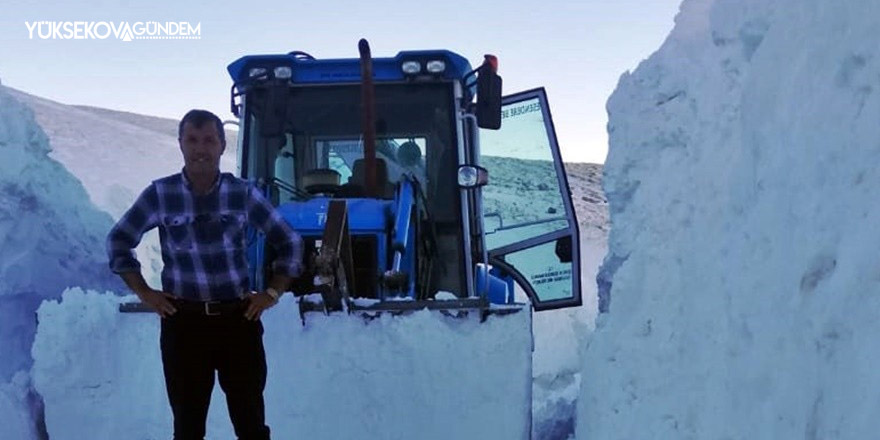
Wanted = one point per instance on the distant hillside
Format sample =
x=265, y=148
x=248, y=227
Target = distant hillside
x=131, y=149
x=154, y=123
x=525, y=190
x=585, y=182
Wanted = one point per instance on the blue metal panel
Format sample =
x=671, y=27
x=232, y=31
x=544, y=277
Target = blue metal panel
x=500, y=287
x=306, y=71
x=364, y=215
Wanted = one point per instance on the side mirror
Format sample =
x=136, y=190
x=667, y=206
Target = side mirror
x=488, y=110
x=472, y=176
x=563, y=249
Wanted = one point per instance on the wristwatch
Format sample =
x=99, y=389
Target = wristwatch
x=273, y=293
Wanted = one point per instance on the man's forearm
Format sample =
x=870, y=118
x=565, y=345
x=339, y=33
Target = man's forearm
x=136, y=282
x=280, y=282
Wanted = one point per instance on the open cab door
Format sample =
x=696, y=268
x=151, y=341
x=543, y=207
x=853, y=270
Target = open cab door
x=529, y=221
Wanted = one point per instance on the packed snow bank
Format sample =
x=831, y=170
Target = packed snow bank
x=19, y=409
x=423, y=375
x=742, y=179
x=51, y=237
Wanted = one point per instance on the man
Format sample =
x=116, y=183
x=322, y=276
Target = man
x=210, y=321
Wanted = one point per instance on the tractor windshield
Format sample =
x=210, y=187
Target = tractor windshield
x=299, y=132
x=306, y=141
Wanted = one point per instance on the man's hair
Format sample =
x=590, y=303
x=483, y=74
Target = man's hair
x=199, y=118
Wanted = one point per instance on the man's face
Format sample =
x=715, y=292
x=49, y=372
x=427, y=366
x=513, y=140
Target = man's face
x=201, y=147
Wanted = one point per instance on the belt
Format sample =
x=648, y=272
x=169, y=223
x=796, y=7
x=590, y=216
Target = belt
x=211, y=308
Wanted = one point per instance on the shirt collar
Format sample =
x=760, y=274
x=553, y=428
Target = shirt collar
x=188, y=184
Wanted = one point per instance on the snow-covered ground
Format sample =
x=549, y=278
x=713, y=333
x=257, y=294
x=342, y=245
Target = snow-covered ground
x=87, y=352
x=742, y=180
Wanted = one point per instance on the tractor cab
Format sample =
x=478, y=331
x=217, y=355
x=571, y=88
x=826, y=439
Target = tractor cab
x=383, y=166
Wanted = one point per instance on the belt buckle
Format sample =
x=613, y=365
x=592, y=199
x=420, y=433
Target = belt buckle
x=208, y=308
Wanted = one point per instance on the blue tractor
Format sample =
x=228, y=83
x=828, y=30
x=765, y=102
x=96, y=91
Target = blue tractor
x=382, y=166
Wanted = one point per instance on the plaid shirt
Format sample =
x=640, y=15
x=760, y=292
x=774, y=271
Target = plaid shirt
x=203, y=237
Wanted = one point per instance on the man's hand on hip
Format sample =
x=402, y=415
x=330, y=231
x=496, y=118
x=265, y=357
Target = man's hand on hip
x=257, y=304
x=159, y=301
x=155, y=299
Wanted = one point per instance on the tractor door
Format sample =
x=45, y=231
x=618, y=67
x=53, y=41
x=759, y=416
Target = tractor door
x=529, y=220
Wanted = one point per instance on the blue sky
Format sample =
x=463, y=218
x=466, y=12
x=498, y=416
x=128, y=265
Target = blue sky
x=575, y=49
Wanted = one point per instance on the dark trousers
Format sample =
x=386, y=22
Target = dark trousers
x=193, y=348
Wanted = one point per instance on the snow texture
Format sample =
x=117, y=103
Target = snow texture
x=19, y=409
x=422, y=375
x=50, y=238
x=741, y=180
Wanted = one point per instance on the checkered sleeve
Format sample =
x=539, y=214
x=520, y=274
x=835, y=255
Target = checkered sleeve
x=128, y=231
x=279, y=234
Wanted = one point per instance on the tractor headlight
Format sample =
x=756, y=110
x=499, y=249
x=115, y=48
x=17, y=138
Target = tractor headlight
x=411, y=67
x=256, y=72
x=436, y=66
x=472, y=176
x=283, y=72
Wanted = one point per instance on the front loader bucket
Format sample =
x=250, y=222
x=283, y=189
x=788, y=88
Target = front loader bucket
x=371, y=308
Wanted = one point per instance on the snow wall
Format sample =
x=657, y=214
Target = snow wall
x=743, y=259
x=51, y=237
